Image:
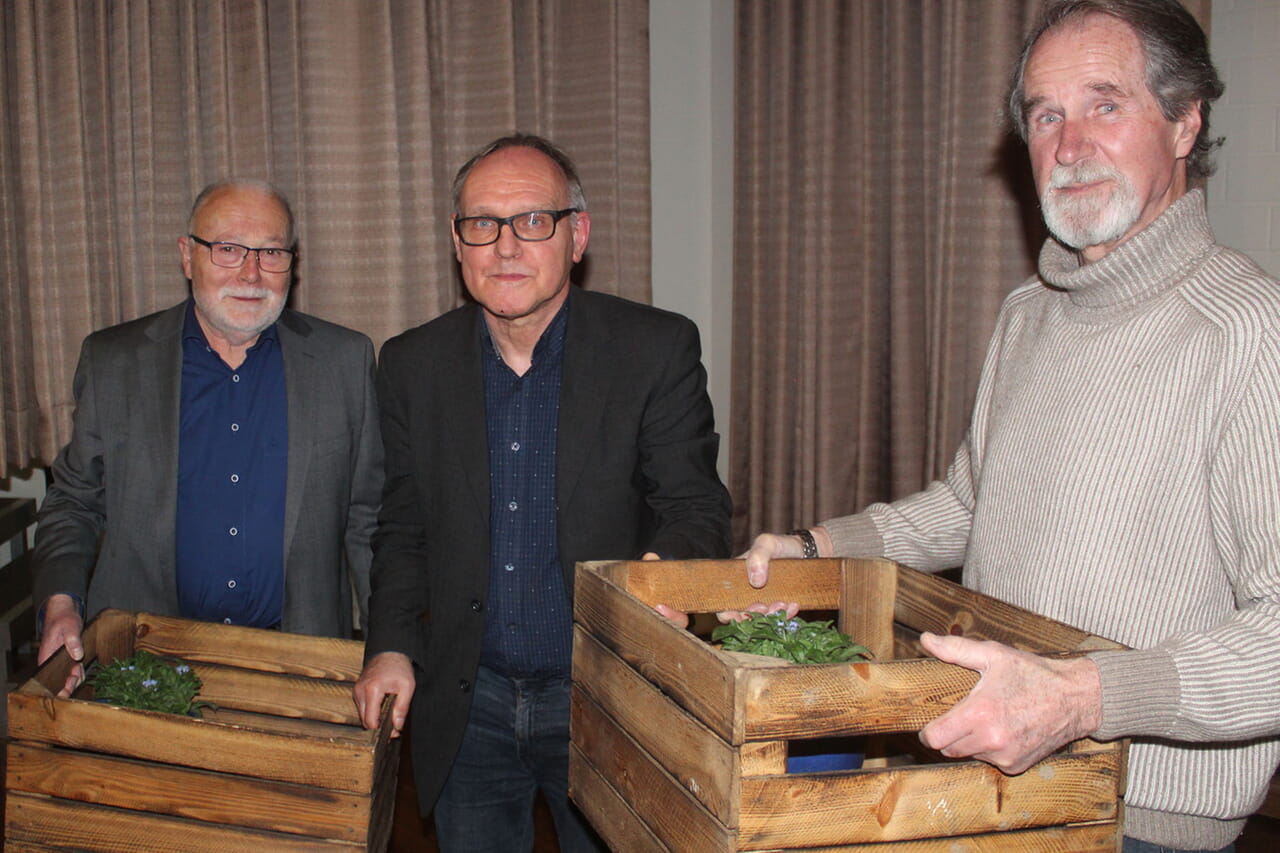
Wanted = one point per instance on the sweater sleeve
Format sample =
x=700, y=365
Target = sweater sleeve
x=1222, y=682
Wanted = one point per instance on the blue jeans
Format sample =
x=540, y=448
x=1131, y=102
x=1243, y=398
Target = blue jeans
x=1133, y=845
x=516, y=743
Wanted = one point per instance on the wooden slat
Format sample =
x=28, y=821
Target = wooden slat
x=339, y=764
x=278, y=694
x=928, y=603
x=707, y=586
x=868, y=589
x=704, y=763
x=681, y=665
x=80, y=826
x=941, y=800
x=1090, y=838
x=251, y=648
x=217, y=798
x=820, y=700
x=672, y=813
x=618, y=826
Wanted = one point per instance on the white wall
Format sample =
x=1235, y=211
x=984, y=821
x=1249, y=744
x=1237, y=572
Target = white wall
x=691, y=144
x=1244, y=196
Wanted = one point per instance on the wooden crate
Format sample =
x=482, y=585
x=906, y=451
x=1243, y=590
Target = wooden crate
x=677, y=745
x=282, y=764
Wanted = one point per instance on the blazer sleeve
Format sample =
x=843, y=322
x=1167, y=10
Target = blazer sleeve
x=398, y=589
x=366, y=485
x=678, y=446
x=73, y=513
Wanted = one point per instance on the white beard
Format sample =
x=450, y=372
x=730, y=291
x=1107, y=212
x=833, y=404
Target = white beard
x=1093, y=219
x=231, y=322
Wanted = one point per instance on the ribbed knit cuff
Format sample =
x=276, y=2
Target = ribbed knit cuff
x=1180, y=831
x=1139, y=693
x=855, y=536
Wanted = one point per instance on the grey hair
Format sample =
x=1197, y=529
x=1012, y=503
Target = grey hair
x=1179, y=70
x=243, y=183
x=540, y=144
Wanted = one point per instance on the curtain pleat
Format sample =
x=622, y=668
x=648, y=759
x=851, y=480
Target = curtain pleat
x=883, y=212
x=361, y=111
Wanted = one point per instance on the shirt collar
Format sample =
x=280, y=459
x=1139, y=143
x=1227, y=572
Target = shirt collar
x=550, y=344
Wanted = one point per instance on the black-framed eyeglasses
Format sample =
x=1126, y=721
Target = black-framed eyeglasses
x=532, y=226
x=232, y=255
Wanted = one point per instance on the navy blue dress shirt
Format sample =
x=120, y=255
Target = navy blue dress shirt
x=233, y=453
x=529, y=624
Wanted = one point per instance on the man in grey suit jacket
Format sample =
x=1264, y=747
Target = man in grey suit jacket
x=538, y=427
x=225, y=461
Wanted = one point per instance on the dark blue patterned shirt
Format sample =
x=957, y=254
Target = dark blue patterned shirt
x=233, y=453
x=529, y=624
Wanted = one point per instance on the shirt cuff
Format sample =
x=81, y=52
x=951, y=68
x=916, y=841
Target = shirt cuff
x=1139, y=693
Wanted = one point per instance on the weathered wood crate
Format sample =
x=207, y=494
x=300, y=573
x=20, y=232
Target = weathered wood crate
x=282, y=764
x=679, y=746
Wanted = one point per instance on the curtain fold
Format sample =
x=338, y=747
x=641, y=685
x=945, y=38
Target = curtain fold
x=884, y=211
x=880, y=223
x=115, y=114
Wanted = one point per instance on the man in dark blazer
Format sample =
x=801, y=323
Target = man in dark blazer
x=225, y=460
x=539, y=426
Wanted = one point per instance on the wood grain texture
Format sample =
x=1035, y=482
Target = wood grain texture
x=64, y=824
x=959, y=798
x=703, y=763
x=672, y=813
x=618, y=826
x=218, y=798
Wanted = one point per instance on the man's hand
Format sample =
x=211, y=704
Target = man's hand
x=773, y=546
x=1023, y=707
x=63, y=627
x=385, y=674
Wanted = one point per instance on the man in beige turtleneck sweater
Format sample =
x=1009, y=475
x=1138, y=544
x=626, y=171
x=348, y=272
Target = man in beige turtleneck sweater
x=1121, y=472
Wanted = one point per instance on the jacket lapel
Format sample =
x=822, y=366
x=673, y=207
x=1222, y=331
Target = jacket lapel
x=302, y=366
x=584, y=386
x=463, y=411
x=159, y=365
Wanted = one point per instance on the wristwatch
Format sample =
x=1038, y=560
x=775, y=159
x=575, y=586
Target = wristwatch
x=807, y=541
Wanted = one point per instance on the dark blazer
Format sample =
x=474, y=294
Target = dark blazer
x=635, y=472
x=118, y=477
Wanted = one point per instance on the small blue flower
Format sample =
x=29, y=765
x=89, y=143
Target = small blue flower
x=793, y=626
x=149, y=682
x=182, y=669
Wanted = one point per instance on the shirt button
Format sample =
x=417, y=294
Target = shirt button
x=513, y=506
x=235, y=427
x=515, y=445
x=227, y=621
x=231, y=584
x=235, y=377
x=508, y=567
x=235, y=478
x=233, y=531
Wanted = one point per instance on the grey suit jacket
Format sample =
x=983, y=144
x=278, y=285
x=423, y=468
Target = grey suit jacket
x=635, y=472
x=106, y=527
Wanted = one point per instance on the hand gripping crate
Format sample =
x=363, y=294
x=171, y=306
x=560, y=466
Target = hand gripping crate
x=680, y=746
x=282, y=764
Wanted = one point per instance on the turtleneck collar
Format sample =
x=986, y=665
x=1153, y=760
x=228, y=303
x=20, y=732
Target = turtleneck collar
x=1142, y=267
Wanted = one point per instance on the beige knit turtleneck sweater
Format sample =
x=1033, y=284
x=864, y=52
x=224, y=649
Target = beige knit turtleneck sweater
x=1122, y=474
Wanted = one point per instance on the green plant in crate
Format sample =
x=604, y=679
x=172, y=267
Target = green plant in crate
x=149, y=683
x=796, y=640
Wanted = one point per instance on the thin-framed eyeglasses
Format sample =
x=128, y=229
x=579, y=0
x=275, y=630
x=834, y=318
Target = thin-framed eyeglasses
x=532, y=226
x=232, y=255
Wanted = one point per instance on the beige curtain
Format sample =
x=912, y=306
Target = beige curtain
x=883, y=213
x=115, y=114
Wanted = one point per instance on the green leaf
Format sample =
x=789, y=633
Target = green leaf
x=796, y=640
x=149, y=683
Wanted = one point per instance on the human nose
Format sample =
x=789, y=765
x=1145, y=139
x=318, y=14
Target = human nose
x=1075, y=143
x=508, y=245
x=249, y=267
